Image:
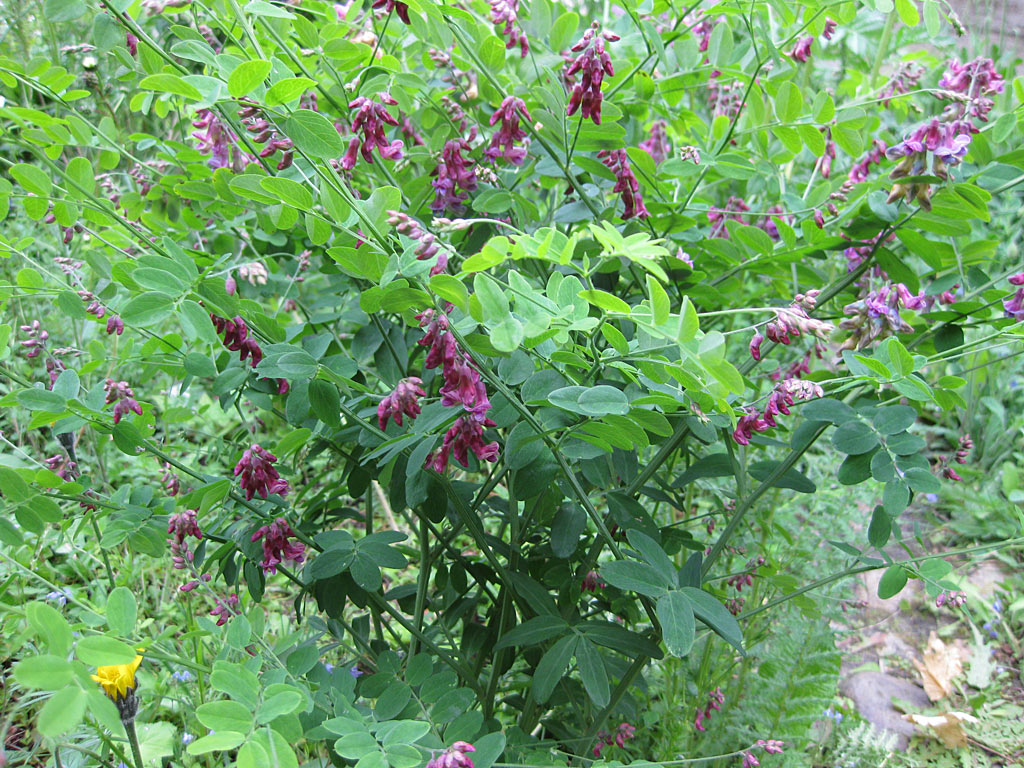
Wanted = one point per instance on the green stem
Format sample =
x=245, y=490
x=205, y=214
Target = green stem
x=133, y=741
x=883, y=46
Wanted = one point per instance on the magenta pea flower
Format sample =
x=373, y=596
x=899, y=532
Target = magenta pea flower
x=403, y=400
x=257, y=475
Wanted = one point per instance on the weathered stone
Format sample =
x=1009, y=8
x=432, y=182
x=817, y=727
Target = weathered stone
x=873, y=694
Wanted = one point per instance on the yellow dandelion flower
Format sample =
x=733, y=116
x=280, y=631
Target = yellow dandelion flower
x=117, y=679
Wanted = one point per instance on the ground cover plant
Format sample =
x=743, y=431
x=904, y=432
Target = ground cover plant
x=433, y=384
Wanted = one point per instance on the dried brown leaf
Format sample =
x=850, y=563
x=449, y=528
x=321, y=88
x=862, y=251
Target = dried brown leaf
x=941, y=664
x=947, y=726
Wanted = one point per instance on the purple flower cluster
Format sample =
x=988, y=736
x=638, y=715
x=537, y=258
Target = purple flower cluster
x=905, y=79
x=802, y=50
x=257, y=475
x=702, y=26
x=621, y=735
x=403, y=400
x=219, y=141
x=877, y=315
x=401, y=9
x=591, y=582
x=276, y=545
x=948, y=141
x=593, y=62
x=503, y=142
x=237, y=338
x=119, y=393
x=265, y=133
x=768, y=225
x=617, y=161
x=1012, y=306
x=715, y=701
x=225, y=609
x=953, y=599
x=462, y=387
x=115, y=325
x=784, y=394
x=456, y=756
x=371, y=118
x=36, y=341
x=507, y=12
x=790, y=322
x=427, y=246
x=746, y=579
x=170, y=481
x=656, y=145
x=771, y=746
x=180, y=526
x=724, y=99
x=62, y=467
x=976, y=82
x=732, y=212
x=452, y=171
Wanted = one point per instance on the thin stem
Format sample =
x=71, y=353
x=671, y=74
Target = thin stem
x=133, y=741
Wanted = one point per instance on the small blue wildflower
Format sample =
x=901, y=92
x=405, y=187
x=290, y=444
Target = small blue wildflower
x=329, y=667
x=997, y=606
x=60, y=596
x=187, y=738
x=932, y=497
x=184, y=676
x=355, y=671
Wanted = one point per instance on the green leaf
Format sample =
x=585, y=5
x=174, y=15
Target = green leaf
x=828, y=409
x=62, y=712
x=288, y=191
x=602, y=400
x=892, y=419
x=892, y=582
x=488, y=749
x=47, y=622
x=552, y=667
x=660, y=304
x=80, y=171
x=314, y=134
x=325, y=402
x=854, y=437
x=199, y=365
x=636, y=577
x=592, y=672
x=563, y=31
x=606, y=301
x=533, y=631
x=237, y=682
x=101, y=651
x=216, y=742
x=677, y=623
x=287, y=90
x=37, y=399
x=147, y=309
x=247, y=76
x=709, y=610
x=507, y=335
x=282, y=703
x=788, y=102
x=907, y=10
x=45, y=673
x=122, y=611
x=64, y=10
x=33, y=179
x=653, y=554
x=689, y=323
x=239, y=632
x=922, y=481
x=492, y=53
x=880, y=529
x=225, y=715
x=492, y=298
x=165, y=82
